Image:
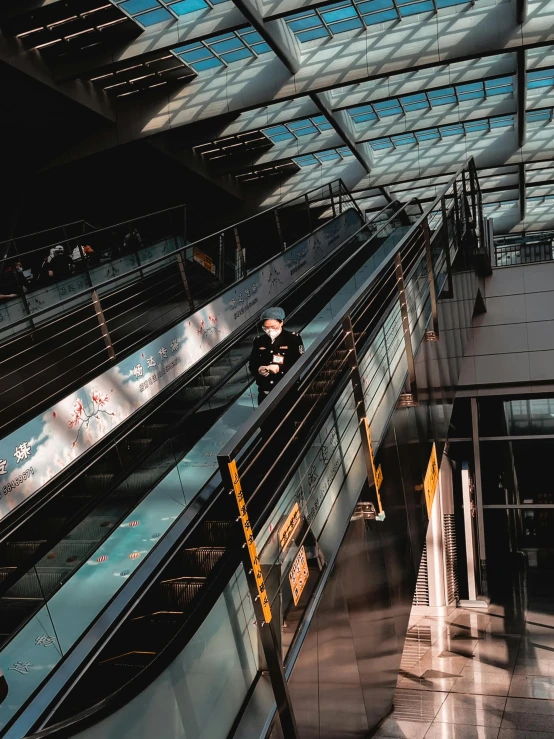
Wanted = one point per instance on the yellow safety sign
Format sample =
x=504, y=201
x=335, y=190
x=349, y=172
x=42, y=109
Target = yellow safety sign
x=250, y=543
x=431, y=479
x=377, y=471
x=202, y=258
x=287, y=530
x=298, y=575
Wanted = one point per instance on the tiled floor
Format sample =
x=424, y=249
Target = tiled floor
x=479, y=675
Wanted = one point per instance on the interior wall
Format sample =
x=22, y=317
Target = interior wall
x=344, y=678
x=513, y=342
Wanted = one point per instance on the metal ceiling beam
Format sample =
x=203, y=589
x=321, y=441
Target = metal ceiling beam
x=521, y=11
x=521, y=97
x=522, y=192
x=275, y=44
x=327, y=111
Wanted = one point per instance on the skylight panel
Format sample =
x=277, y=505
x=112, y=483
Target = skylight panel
x=322, y=157
x=221, y=50
x=471, y=91
x=297, y=129
x=499, y=86
x=540, y=78
x=388, y=107
x=444, y=96
x=350, y=15
x=544, y=114
x=150, y=12
x=417, y=101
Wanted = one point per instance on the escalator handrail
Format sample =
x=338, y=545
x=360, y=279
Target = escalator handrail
x=304, y=365
x=134, y=687
x=181, y=250
x=339, y=180
x=10, y=580
x=13, y=519
x=180, y=529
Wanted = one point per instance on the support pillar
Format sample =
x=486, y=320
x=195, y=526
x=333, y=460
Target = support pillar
x=102, y=323
x=411, y=397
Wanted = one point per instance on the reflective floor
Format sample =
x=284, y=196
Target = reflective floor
x=474, y=675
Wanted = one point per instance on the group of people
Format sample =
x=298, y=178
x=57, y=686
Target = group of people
x=59, y=264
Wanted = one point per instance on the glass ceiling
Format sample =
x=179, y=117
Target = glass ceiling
x=320, y=157
x=296, y=129
x=540, y=78
x=453, y=95
x=480, y=126
x=150, y=12
x=222, y=50
x=351, y=15
x=437, y=133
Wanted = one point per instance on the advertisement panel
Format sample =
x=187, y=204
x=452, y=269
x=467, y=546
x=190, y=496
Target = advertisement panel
x=36, y=452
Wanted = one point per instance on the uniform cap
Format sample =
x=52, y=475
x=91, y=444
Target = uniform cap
x=273, y=314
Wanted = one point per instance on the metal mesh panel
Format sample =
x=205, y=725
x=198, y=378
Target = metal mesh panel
x=450, y=559
x=421, y=595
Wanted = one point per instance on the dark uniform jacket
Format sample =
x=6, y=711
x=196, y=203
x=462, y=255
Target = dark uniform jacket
x=283, y=351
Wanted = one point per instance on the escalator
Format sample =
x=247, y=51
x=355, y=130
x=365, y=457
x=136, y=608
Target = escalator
x=136, y=657
x=154, y=618
x=73, y=529
x=67, y=333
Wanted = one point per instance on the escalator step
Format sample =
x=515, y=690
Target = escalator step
x=68, y=551
x=38, y=583
x=95, y=481
x=215, y=533
x=92, y=528
x=179, y=592
x=199, y=562
x=5, y=571
x=13, y=611
x=193, y=392
x=14, y=553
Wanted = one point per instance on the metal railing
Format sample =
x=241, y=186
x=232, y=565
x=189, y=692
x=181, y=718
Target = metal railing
x=360, y=365
x=64, y=345
x=384, y=224
x=524, y=248
x=36, y=242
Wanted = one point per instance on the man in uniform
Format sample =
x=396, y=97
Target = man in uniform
x=274, y=352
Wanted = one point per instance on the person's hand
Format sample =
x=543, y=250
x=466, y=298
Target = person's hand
x=263, y=371
x=274, y=368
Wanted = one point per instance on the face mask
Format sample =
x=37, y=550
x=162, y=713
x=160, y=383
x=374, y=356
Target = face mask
x=273, y=333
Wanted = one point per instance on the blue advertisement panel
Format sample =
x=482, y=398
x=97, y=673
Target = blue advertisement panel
x=31, y=456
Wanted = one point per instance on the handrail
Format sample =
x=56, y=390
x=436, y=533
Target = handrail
x=43, y=231
x=136, y=219
x=302, y=366
x=49, y=493
x=145, y=572
x=244, y=433
x=158, y=260
x=131, y=318
x=142, y=414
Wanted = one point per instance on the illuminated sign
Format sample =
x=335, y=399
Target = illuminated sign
x=250, y=543
x=199, y=256
x=377, y=471
x=298, y=575
x=288, y=528
x=431, y=479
